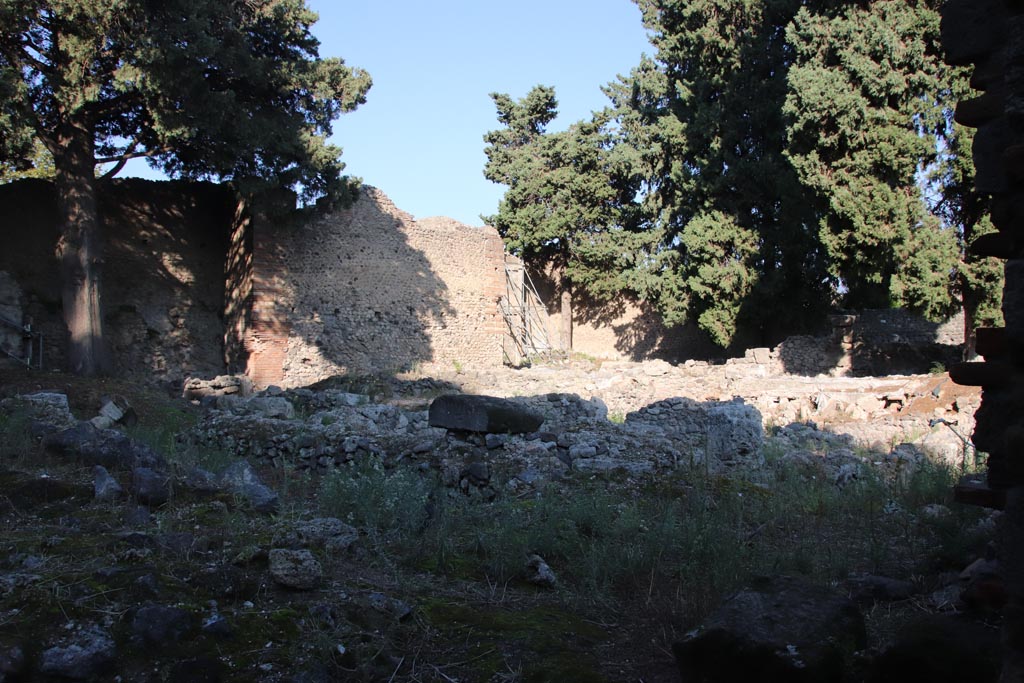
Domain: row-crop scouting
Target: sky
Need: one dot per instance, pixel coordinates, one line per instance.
(419, 137)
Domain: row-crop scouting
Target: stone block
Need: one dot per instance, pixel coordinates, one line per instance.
(487, 414)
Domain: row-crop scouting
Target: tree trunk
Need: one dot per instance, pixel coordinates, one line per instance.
(78, 250)
(566, 331)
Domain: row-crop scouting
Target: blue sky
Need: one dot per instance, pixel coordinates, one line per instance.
(419, 137)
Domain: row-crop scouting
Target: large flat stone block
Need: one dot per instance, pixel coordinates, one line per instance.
(482, 414)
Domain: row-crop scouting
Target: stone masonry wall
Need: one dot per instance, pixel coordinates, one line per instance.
(369, 289)
(162, 274)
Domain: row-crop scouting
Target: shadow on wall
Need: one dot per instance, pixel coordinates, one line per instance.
(361, 295)
(875, 343)
(162, 276)
(622, 328)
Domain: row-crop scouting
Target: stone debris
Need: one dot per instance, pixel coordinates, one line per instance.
(105, 487)
(539, 573)
(297, 569)
(778, 629)
(196, 388)
(82, 655)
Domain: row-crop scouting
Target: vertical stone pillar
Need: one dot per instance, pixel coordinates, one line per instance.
(269, 324)
(989, 34)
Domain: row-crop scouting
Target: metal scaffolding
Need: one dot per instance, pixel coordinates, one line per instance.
(31, 351)
(525, 317)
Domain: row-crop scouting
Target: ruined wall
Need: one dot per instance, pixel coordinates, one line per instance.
(621, 329)
(874, 343)
(371, 289)
(162, 274)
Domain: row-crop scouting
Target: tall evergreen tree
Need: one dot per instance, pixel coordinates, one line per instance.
(559, 198)
(202, 88)
(867, 115)
(703, 121)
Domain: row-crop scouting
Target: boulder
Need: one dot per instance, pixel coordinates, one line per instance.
(150, 486)
(241, 479)
(940, 649)
(734, 432)
(471, 413)
(778, 630)
(160, 625)
(83, 655)
(107, 447)
(296, 569)
(105, 487)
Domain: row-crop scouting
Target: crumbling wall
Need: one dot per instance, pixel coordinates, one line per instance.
(621, 329)
(370, 289)
(874, 343)
(162, 272)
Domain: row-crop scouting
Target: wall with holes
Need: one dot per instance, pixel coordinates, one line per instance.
(366, 289)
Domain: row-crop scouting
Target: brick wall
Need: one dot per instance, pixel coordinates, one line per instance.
(366, 289)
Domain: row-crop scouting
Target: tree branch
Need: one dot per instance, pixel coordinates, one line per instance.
(123, 159)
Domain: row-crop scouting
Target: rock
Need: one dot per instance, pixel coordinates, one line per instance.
(945, 599)
(734, 432)
(472, 413)
(493, 441)
(271, 407)
(582, 451)
(46, 407)
(316, 533)
(539, 573)
(198, 480)
(388, 605)
(940, 649)
(107, 447)
(151, 487)
(296, 569)
(160, 625)
(105, 487)
(847, 473)
(13, 662)
(115, 411)
(241, 479)
(870, 588)
(478, 473)
(138, 516)
(83, 655)
(936, 511)
(218, 627)
(780, 629)
(196, 388)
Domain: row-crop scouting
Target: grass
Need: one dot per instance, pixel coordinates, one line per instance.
(683, 542)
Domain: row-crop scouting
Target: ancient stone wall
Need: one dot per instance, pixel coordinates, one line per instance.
(162, 274)
(621, 329)
(370, 289)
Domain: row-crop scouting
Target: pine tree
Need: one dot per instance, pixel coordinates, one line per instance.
(558, 205)
(866, 112)
(703, 123)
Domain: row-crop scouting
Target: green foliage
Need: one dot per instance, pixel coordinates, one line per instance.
(202, 89)
(768, 151)
(37, 164)
(560, 202)
(868, 94)
(387, 504)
